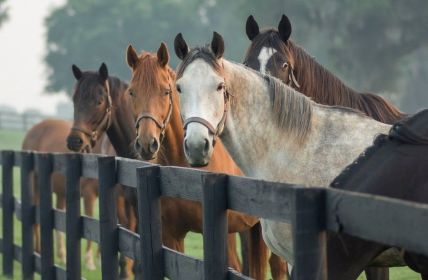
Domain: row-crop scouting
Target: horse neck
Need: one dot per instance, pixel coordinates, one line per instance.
(121, 132)
(251, 124)
(318, 83)
(172, 152)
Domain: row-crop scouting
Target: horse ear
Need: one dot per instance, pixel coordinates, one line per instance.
(284, 28)
(252, 28)
(76, 72)
(180, 46)
(131, 57)
(103, 72)
(163, 55)
(217, 45)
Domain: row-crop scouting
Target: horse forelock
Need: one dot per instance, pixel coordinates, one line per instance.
(203, 53)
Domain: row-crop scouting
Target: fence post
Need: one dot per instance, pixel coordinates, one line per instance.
(149, 222)
(73, 221)
(309, 235)
(27, 214)
(108, 217)
(8, 205)
(215, 226)
(44, 171)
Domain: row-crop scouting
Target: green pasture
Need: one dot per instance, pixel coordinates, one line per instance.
(193, 242)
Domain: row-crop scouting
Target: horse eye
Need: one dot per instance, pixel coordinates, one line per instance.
(220, 86)
(285, 65)
(168, 91)
(131, 93)
(178, 88)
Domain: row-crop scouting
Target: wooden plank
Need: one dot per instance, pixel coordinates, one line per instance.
(260, 198)
(215, 226)
(44, 165)
(309, 235)
(73, 222)
(27, 215)
(235, 275)
(90, 166)
(59, 162)
(149, 222)
(181, 267)
(8, 205)
(181, 182)
(127, 171)
(90, 229)
(108, 218)
(129, 244)
(380, 219)
(59, 219)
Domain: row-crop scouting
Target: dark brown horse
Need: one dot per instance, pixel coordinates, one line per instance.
(50, 136)
(100, 107)
(272, 52)
(160, 135)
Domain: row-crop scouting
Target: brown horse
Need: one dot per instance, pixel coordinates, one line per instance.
(50, 136)
(272, 52)
(160, 136)
(100, 107)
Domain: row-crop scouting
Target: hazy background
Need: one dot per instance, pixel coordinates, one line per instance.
(378, 46)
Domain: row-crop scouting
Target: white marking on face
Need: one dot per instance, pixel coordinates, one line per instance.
(264, 56)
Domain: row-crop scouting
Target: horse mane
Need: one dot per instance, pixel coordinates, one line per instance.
(321, 85)
(330, 90)
(293, 110)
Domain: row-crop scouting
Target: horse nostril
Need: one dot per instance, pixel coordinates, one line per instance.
(207, 146)
(137, 145)
(153, 146)
(79, 141)
(186, 147)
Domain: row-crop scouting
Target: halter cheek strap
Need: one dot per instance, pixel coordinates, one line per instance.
(292, 81)
(103, 125)
(214, 131)
(162, 125)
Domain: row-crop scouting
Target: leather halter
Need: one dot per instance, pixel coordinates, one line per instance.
(292, 81)
(219, 129)
(161, 125)
(103, 125)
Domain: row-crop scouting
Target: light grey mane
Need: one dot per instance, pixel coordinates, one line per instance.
(292, 109)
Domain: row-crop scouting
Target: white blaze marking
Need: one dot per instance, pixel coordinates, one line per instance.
(264, 56)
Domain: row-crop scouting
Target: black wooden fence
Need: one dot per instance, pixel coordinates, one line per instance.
(311, 211)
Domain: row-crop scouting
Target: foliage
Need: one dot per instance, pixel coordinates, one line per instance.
(3, 12)
(365, 41)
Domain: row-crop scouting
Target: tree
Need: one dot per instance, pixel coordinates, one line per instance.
(3, 12)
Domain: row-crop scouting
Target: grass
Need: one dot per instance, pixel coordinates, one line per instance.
(193, 242)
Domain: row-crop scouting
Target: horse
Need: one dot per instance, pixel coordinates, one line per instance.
(155, 104)
(50, 136)
(273, 52)
(273, 132)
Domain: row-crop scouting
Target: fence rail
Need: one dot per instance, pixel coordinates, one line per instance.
(311, 211)
(17, 121)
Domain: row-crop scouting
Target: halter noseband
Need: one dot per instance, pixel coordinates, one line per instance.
(104, 123)
(219, 129)
(162, 125)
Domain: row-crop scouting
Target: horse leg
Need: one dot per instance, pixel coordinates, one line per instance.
(89, 197)
(278, 267)
(61, 253)
(231, 252)
(377, 273)
(36, 202)
(257, 253)
(245, 239)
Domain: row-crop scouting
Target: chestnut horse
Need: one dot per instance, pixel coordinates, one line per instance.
(50, 136)
(155, 103)
(272, 52)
